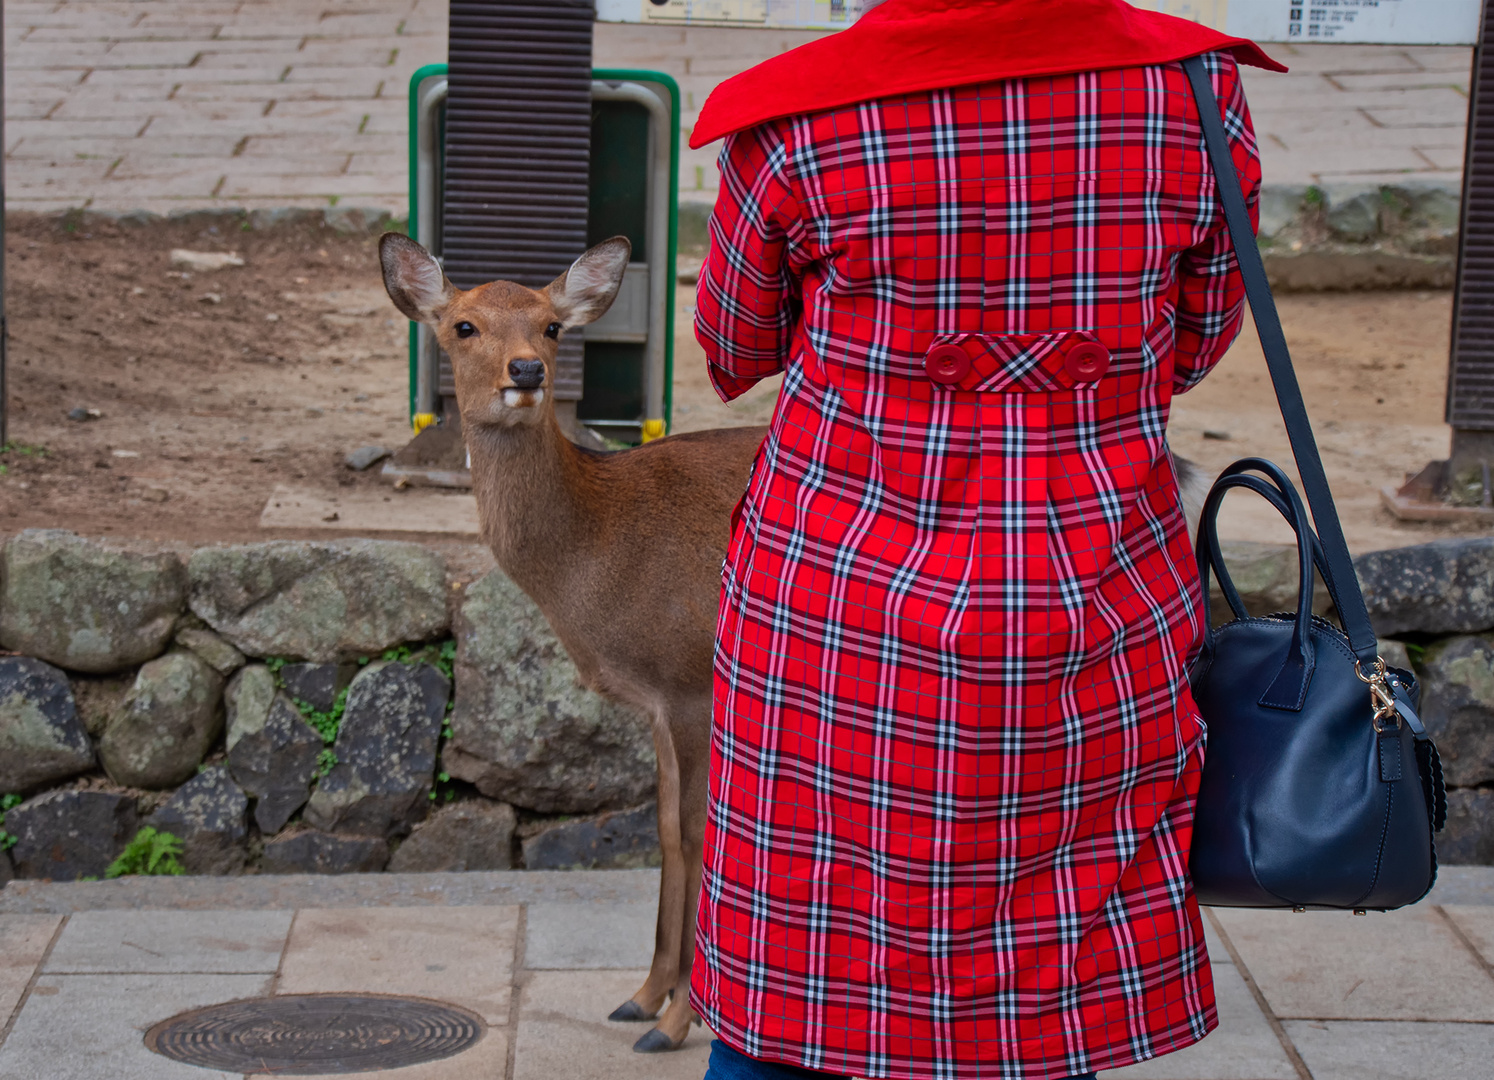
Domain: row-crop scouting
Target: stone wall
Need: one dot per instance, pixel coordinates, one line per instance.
(317, 707)
(299, 707)
(1360, 236)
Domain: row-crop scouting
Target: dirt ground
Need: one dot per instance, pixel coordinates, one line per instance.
(213, 388)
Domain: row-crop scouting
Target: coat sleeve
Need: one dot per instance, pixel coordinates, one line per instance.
(747, 301)
(1211, 296)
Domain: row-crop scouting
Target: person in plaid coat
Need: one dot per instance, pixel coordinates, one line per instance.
(954, 752)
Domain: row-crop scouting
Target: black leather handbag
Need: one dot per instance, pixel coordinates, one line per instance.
(1320, 787)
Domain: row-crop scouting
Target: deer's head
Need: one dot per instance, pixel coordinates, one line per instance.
(502, 337)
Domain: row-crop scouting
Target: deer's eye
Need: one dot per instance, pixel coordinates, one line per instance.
(553, 330)
(465, 329)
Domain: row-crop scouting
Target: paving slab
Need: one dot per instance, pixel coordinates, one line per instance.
(1338, 1050)
(92, 1027)
(461, 955)
(1322, 965)
(162, 942)
(488, 1060)
(574, 937)
(588, 936)
(23, 943)
(63, 58)
(1242, 1047)
(1477, 925)
(563, 1032)
(371, 511)
(288, 891)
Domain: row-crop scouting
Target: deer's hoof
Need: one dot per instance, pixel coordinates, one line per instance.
(630, 1011)
(655, 1042)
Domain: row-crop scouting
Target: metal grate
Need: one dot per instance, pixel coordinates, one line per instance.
(518, 148)
(1470, 384)
(316, 1034)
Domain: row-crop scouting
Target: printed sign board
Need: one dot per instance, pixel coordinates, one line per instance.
(1388, 22)
(795, 14)
(1385, 22)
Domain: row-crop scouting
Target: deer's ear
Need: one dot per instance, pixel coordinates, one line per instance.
(413, 278)
(584, 292)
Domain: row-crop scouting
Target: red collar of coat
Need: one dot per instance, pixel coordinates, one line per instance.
(904, 46)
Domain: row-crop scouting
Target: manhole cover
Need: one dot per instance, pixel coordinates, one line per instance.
(308, 1034)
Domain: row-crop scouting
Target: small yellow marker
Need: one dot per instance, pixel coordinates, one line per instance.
(653, 429)
(422, 421)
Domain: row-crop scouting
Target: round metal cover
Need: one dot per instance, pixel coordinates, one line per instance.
(312, 1034)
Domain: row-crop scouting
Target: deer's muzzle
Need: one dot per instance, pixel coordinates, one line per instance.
(527, 374)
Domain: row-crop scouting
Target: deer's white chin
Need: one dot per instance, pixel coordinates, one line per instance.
(514, 398)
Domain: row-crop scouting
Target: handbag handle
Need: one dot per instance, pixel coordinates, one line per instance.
(1209, 554)
(1344, 582)
(1288, 690)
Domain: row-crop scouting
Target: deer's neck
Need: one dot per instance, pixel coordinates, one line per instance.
(529, 482)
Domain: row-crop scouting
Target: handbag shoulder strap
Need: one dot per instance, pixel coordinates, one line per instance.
(1340, 566)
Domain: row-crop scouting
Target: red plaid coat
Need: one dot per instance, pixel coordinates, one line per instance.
(955, 755)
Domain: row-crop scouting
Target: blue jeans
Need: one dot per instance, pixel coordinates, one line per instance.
(730, 1064)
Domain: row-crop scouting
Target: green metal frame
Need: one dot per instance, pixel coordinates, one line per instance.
(601, 75)
(412, 227)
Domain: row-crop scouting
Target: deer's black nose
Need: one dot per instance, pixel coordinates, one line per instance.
(527, 374)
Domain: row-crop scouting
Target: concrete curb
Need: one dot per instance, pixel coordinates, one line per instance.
(354, 220)
(1360, 236)
(259, 892)
(1472, 885)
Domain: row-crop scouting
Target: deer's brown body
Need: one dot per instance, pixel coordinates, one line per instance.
(632, 545)
(621, 552)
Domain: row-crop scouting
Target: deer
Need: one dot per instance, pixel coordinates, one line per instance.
(621, 551)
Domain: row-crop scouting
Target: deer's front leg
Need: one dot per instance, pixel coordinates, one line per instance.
(663, 973)
(693, 754)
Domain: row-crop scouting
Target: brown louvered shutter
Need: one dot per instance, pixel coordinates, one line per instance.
(1470, 383)
(518, 143)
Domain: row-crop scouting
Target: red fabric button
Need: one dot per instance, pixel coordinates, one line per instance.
(1087, 361)
(946, 364)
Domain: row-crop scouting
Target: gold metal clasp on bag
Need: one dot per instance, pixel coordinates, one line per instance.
(1382, 698)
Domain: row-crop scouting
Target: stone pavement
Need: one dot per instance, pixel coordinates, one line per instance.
(87, 968)
(177, 104)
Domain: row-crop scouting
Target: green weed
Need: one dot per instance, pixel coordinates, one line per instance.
(326, 761)
(7, 802)
(442, 657)
(20, 450)
(326, 723)
(152, 853)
